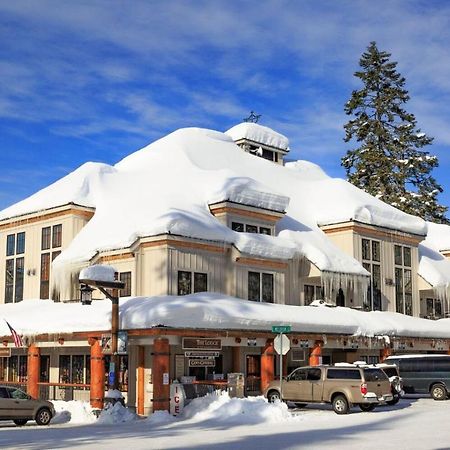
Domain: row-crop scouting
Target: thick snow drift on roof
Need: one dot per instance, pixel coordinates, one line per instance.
(98, 272)
(211, 311)
(438, 236)
(435, 269)
(166, 188)
(81, 186)
(259, 134)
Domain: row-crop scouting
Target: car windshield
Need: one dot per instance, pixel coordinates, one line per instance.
(374, 375)
(18, 394)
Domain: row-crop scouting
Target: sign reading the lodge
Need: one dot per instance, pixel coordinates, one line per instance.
(202, 363)
(202, 344)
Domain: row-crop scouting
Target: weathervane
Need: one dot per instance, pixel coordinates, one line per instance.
(253, 118)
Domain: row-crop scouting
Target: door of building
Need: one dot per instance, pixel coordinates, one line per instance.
(253, 373)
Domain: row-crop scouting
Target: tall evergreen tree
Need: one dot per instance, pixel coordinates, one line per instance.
(389, 162)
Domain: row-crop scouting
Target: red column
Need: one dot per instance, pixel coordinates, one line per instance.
(140, 380)
(160, 366)
(33, 370)
(315, 354)
(267, 364)
(384, 353)
(236, 359)
(97, 374)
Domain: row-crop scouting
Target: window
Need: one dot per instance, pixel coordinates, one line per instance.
(125, 277)
(20, 243)
(74, 369)
(45, 276)
(236, 226)
(45, 238)
(312, 293)
(343, 374)
(371, 255)
(9, 281)
(248, 228)
(10, 245)
(434, 308)
(260, 287)
(314, 374)
(17, 369)
(299, 375)
(185, 282)
(403, 280)
(18, 287)
(56, 236)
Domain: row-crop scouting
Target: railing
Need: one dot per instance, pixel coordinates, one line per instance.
(64, 391)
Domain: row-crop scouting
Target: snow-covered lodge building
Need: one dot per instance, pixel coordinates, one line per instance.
(222, 216)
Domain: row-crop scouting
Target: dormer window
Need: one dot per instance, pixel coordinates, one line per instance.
(247, 228)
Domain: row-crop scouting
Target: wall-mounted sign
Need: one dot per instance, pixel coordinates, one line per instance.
(5, 352)
(202, 344)
(106, 344)
(202, 354)
(122, 342)
(165, 378)
(202, 363)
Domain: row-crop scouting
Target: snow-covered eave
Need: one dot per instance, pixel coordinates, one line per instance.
(276, 212)
(263, 145)
(418, 236)
(44, 211)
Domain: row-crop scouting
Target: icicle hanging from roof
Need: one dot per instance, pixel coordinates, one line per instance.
(333, 281)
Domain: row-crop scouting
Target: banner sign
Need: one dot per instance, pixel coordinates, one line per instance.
(202, 363)
(202, 344)
(202, 354)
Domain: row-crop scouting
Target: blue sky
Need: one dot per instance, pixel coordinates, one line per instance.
(96, 80)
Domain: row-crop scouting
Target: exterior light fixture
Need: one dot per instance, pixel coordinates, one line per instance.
(86, 294)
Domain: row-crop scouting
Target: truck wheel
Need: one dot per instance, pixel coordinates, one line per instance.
(273, 396)
(43, 416)
(366, 407)
(438, 392)
(394, 401)
(20, 422)
(340, 405)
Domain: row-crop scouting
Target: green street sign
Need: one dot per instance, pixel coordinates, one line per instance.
(281, 328)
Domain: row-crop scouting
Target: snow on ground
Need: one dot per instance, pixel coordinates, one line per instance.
(221, 423)
(209, 310)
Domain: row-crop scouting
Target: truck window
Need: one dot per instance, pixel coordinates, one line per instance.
(374, 375)
(343, 374)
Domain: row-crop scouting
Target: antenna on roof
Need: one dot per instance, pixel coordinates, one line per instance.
(253, 118)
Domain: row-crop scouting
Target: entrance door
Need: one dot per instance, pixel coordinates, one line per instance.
(253, 373)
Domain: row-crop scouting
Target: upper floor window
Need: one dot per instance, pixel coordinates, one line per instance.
(45, 238)
(56, 235)
(312, 293)
(192, 282)
(260, 287)
(371, 256)
(14, 267)
(10, 245)
(248, 228)
(403, 279)
(125, 277)
(20, 243)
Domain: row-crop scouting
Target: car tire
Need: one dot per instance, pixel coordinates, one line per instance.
(273, 396)
(43, 416)
(340, 405)
(438, 392)
(367, 407)
(20, 422)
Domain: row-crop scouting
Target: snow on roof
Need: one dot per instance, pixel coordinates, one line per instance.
(259, 134)
(434, 269)
(211, 311)
(167, 187)
(98, 272)
(438, 236)
(81, 187)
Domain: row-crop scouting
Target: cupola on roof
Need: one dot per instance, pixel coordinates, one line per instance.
(258, 134)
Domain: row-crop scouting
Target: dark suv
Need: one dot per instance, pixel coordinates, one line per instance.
(19, 407)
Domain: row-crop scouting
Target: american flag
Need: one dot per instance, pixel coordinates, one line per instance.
(16, 337)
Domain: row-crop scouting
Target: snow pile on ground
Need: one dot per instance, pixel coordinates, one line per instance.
(219, 407)
(160, 418)
(116, 414)
(208, 310)
(74, 411)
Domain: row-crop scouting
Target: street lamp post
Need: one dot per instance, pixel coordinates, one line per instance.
(86, 286)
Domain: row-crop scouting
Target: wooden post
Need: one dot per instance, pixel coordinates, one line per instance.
(97, 374)
(33, 370)
(236, 359)
(315, 355)
(160, 374)
(384, 353)
(267, 364)
(141, 380)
